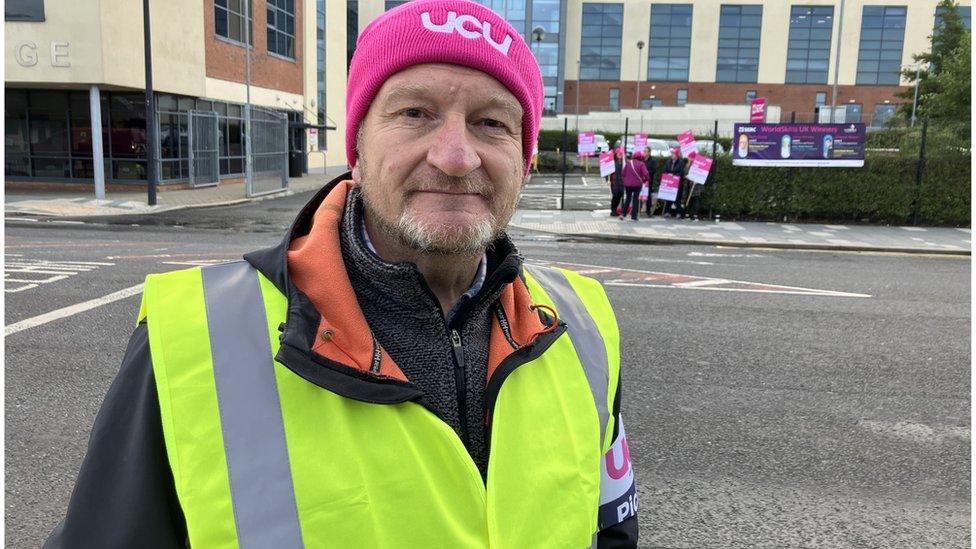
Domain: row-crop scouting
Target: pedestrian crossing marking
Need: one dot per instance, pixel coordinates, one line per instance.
(614, 276)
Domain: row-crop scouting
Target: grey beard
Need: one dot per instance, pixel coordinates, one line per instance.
(437, 240)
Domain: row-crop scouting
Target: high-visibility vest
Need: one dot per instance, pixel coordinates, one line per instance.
(264, 458)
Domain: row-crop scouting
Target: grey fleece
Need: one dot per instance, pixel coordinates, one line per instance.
(407, 320)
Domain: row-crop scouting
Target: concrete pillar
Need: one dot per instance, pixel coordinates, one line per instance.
(98, 156)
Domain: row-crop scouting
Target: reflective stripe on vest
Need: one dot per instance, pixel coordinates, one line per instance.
(250, 412)
(583, 332)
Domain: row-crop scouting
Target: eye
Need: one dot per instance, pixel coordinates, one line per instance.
(412, 113)
(494, 124)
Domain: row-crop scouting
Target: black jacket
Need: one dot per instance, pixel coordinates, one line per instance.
(125, 497)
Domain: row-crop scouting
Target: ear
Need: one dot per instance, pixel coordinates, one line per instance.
(357, 175)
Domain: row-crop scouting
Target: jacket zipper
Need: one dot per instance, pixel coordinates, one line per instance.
(462, 397)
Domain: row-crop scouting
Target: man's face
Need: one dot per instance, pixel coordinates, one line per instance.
(440, 159)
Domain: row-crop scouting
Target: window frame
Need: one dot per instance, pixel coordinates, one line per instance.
(661, 57)
(245, 33)
(873, 56)
(594, 36)
(800, 45)
(748, 43)
(34, 13)
(274, 7)
(611, 99)
(679, 101)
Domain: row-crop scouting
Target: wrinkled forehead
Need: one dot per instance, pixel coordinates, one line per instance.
(445, 83)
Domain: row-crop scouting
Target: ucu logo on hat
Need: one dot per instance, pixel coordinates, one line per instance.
(475, 29)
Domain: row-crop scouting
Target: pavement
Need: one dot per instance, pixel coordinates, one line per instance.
(869, 238)
(583, 221)
(74, 204)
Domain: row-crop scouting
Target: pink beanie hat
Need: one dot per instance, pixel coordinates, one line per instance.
(456, 32)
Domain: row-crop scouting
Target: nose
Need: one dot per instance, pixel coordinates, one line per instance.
(452, 151)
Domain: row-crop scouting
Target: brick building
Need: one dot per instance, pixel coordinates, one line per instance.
(69, 63)
(717, 51)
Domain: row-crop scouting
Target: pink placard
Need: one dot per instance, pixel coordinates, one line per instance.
(687, 142)
(640, 141)
(586, 143)
(607, 166)
(669, 187)
(700, 167)
(757, 113)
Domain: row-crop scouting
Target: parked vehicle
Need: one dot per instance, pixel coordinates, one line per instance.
(705, 147)
(601, 143)
(659, 148)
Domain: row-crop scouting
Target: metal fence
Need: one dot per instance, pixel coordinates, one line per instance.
(269, 152)
(204, 148)
(700, 119)
(912, 173)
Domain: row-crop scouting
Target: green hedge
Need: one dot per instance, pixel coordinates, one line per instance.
(883, 191)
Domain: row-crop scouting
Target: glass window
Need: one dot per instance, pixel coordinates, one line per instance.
(16, 140)
(750, 95)
(352, 29)
(738, 51)
(882, 113)
(320, 68)
(515, 12)
(886, 23)
(165, 102)
(853, 113)
(23, 10)
(820, 99)
(170, 125)
(669, 52)
(229, 20)
(682, 97)
(614, 104)
(281, 27)
(965, 13)
(809, 45)
(600, 56)
(48, 123)
(128, 129)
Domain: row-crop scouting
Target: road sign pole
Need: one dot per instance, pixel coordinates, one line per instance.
(562, 199)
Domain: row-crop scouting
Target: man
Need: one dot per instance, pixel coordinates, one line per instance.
(617, 182)
(675, 165)
(391, 374)
(651, 165)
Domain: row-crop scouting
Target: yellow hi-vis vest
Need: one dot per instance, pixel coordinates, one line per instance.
(263, 458)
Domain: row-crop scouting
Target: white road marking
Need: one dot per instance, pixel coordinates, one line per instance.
(55, 271)
(70, 310)
(197, 262)
(701, 283)
(800, 291)
(916, 229)
(706, 254)
(655, 279)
